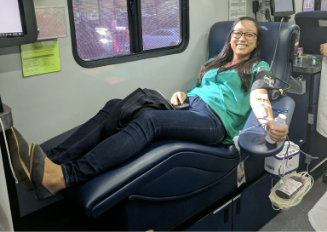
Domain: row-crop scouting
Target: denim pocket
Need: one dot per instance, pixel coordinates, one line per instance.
(221, 126)
(195, 102)
(214, 114)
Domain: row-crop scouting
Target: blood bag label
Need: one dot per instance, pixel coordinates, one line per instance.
(290, 186)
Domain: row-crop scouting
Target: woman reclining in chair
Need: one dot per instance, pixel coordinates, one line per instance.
(220, 104)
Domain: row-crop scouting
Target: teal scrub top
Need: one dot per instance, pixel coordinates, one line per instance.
(226, 98)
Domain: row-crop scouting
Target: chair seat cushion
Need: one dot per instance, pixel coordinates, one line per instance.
(187, 168)
(167, 170)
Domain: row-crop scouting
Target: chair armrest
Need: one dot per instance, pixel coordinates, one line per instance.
(253, 141)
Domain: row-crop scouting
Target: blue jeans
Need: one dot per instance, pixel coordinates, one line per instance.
(87, 152)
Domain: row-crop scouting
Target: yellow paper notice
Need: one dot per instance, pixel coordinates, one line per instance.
(40, 57)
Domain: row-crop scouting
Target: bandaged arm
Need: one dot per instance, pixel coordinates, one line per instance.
(261, 107)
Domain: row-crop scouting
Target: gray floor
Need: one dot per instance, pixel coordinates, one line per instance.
(296, 218)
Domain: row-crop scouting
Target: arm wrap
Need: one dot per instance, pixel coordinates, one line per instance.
(263, 80)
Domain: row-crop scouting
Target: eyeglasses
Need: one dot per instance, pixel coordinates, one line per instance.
(248, 35)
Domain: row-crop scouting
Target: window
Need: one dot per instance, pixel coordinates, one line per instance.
(114, 31)
(323, 5)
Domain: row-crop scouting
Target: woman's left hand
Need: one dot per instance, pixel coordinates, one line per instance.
(178, 97)
(277, 134)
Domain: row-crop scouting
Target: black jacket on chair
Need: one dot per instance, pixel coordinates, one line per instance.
(132, 106)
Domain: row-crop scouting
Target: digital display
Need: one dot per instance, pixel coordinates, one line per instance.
(308, 5)
(283, 6)
(10, 19)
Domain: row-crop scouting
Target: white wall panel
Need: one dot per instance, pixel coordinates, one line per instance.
(47, 105)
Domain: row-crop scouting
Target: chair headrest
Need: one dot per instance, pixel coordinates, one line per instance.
(311, 14)
(282, 64)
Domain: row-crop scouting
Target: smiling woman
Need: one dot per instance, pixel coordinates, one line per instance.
(243, 40)
(239, 53)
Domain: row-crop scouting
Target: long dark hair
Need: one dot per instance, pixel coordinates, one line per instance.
(243, 68)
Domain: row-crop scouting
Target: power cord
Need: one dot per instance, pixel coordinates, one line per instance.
(9, 158)
(272, 62)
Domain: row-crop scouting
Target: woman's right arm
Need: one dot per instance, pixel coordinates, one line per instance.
(277, 134)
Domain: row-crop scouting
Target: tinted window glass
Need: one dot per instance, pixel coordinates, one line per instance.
(101, 28)
(115, 31)
(160, 23)
(323, 5)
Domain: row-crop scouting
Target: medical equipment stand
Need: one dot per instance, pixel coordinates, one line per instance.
(303, 128)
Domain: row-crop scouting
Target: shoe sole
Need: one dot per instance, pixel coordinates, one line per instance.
(40, 191)
(21, 171)
(31, 170)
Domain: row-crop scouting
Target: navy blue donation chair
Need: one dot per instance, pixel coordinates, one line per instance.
(313, 34)
(172, 185)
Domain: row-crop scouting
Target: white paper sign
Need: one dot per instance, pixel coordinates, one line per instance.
(322, 23)
(237, 9)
